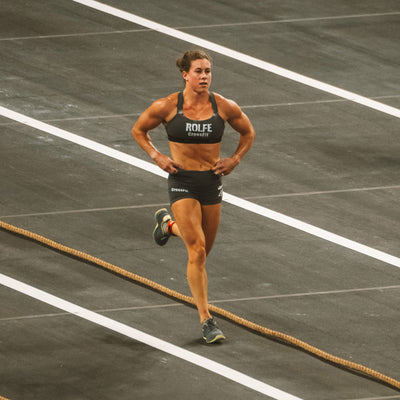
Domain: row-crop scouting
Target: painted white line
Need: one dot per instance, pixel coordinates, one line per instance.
(87, 210)
(354, 190)
(237, 201)
(169, 305)
(255, 62)
(149, 340)
(90, 144)
(67, 35)
(312, 230)
(288, 21)
(378, 398)
(249, 23)
(150, 205)
(285, 296)
(233, 300)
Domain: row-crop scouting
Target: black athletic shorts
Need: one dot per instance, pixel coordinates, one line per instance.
(204, 186)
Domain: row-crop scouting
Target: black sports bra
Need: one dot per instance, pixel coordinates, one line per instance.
(184, 130)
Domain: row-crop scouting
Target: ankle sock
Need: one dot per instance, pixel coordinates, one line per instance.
(169, 227)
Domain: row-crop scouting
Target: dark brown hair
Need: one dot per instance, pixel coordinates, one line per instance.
(185, 61)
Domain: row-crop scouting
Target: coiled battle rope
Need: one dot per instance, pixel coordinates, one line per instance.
(275, 335)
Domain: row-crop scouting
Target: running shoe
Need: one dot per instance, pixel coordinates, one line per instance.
(160, 233)
(211, 333)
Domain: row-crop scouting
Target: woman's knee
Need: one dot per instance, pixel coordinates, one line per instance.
(197, 252)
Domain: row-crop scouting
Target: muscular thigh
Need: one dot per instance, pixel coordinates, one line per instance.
(210, 222)
(197, 224)
(188, 216)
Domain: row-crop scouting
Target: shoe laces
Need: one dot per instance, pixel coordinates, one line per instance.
(209, 324)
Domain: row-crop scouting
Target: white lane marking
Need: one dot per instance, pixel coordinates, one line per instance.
(237, 201)
(86, 210)
(312, 230)
(90, 144)
(249, 23)
(323, 192)
(285, 296)
(67, 35)
(169, 305)
(288, 21)
(150, 205)
(241, 57)
(149, 340)
(378, 398)
(305, 103)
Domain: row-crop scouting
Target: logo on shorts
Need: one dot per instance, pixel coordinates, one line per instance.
(221, 190)
(179, 190)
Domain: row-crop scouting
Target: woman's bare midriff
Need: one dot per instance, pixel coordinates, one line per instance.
(195, 156)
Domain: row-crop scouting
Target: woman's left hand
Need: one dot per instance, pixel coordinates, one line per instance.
(225, 166)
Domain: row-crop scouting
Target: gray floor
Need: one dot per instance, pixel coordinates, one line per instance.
(321, 159)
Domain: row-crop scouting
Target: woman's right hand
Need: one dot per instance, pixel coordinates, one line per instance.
(166, 163)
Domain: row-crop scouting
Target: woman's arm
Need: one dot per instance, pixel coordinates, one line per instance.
(148, 120)
(240, 123)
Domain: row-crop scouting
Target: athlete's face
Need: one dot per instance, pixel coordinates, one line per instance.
(199, 75)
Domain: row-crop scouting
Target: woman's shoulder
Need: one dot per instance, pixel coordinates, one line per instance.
(227, 108)
(164, 106)
(166, 102)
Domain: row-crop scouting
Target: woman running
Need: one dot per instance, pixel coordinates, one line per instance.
(194, 120)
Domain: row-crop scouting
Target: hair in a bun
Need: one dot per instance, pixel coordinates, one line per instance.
(185, 61)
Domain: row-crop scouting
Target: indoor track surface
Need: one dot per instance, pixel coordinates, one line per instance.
(309, 238)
